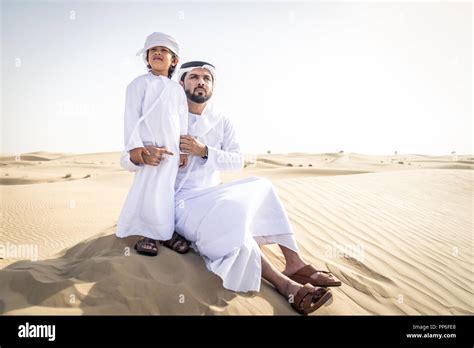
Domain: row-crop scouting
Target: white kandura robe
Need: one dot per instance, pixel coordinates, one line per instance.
(227, 222)
(156, 113)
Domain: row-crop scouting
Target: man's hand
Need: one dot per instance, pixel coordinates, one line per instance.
(155, 155)
(183, 160)
(191, 146)
(136, 155)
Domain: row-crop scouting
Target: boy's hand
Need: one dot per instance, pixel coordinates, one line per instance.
(183, 160)
(136, 155)
(155, 155)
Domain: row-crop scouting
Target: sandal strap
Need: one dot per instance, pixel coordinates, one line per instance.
(175, 239)
(301, 294)
(307, 300)
(175, 242)
(311, 300)
(306, 271)
(147, 241)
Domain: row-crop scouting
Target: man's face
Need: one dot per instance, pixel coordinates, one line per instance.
(198, 85)
(160, 58)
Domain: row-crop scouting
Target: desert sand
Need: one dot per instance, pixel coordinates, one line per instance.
(397, 230)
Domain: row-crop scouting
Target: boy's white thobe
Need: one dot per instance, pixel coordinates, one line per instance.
(155, 114)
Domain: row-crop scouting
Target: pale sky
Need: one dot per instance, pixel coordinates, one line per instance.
(369, 77)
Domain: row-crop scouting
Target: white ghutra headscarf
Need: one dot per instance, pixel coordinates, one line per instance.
(187, 67)
(159, 39)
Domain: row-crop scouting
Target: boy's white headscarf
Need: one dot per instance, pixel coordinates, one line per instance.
(159, 39)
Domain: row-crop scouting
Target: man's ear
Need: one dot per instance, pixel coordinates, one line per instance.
(181, 83)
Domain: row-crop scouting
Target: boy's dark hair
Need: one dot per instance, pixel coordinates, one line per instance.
(170, 70)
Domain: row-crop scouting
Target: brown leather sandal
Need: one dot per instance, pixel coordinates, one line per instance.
(146, 246)
(177, 243)
(324, 278)
(309, 298)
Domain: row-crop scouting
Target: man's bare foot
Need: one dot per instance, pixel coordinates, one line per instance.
(290, 270)
(308, 274)
(297, 296)
(289, 288)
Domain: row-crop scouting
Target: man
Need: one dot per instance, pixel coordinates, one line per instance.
(226, 223)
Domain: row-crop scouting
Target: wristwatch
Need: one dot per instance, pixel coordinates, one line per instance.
(207, 153)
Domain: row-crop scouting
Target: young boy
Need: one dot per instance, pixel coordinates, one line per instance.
(156, 115)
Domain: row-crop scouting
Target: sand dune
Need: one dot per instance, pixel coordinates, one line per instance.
(398, 235)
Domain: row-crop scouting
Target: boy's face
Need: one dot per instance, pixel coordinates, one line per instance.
(160, 59)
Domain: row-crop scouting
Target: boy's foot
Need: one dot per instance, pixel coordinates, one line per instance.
(146, 246)
(177, 243)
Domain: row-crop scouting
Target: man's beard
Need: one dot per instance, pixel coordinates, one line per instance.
(199, 99)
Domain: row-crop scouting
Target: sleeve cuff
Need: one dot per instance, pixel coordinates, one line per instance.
(212, 154)
(127, 163)
(134, 144)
